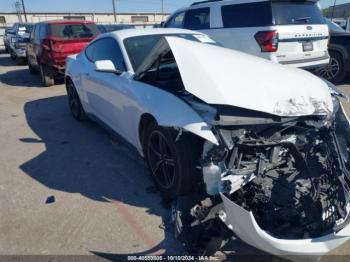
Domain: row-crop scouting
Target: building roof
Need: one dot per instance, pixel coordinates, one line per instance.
(82, 13)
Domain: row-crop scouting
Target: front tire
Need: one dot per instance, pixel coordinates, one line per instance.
(172, 164)
(74, 103)
(46, 79)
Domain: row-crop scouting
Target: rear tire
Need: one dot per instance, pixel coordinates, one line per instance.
(46, 79)
(74, 102)
(172, 164)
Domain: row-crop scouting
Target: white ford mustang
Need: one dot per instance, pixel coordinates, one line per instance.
(272, 142)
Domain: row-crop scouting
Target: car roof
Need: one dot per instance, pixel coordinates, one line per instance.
(127, 33)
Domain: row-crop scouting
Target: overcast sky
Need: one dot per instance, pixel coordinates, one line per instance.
(106, 5)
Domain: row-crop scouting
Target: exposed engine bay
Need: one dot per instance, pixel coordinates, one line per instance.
(293, 176)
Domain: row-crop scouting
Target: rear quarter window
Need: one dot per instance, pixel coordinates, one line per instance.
(247, 15)
(73, 30)
(197, 19)
(286, 13)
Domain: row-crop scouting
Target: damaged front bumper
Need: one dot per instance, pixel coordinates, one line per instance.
(251, 175)
(244, 225)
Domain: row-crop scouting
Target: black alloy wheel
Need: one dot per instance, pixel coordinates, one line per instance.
(74, 102)
(161, 160)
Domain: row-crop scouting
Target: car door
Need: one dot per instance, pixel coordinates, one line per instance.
(33, 46)
(106, 92)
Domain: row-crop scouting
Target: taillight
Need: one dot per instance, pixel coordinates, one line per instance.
(47, 44)
(267, 40)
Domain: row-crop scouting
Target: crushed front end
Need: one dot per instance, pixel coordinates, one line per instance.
(285, 183)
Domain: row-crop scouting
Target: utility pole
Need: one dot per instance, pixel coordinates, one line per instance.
(335, 3)
(24, 11)
(18, 10)
(114, 12)
(162, 9)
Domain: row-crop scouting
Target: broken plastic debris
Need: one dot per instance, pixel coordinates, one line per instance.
(50, 200)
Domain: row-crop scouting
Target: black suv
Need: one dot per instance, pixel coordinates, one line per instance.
(339, 50)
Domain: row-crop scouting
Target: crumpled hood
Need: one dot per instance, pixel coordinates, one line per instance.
(222, 76)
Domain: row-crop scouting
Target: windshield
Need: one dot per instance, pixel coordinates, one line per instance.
(23, 39)
(286, 13)
(25, 28)
(139, 47)
(334, 27)
(74, 30)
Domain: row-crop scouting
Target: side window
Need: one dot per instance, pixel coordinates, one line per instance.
(36, 32)
(176, 21)
(42, 32)
(197, 19)
(32, 33)
(246, 15)
(108, 49)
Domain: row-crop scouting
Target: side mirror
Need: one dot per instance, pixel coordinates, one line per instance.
(106, 66)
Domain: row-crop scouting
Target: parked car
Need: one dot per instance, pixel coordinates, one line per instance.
(6, 39)
(339, 50)
(17, 30)
(105, 28)
(18, 48)
(287, 32)
(224, 125)
(52, 41)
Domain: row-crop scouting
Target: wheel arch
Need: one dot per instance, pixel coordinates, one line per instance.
(145, 120)
(340, 50)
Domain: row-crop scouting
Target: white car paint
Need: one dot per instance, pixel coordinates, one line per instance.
(216, 75)
(305, 95)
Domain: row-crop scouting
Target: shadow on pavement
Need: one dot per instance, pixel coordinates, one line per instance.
(84, 158)
(81, 157)
(20, 78)
(5, 60)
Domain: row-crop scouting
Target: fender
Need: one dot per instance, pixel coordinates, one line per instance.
(169, 111)
(340, 49)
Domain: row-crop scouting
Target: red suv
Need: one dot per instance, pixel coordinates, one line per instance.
(52, 41)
